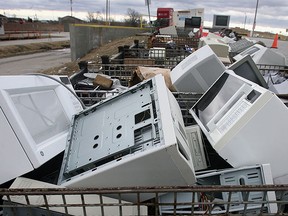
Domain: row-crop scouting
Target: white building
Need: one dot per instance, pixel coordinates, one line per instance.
(179, 16)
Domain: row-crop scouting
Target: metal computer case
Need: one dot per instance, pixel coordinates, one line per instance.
(245, 123)
(136, 138)
(248, 175)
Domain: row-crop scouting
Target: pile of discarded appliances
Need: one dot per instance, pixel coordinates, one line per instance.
(137, 134)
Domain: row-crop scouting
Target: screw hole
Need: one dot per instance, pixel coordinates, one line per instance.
(96, 137)
(118, 136)
(95, 146)
(119, 127)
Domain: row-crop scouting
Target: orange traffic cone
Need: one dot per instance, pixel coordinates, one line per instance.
(275, 42)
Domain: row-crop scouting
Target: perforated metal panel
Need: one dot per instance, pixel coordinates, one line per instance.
(244, 176)
(249, 176)
(105, 132)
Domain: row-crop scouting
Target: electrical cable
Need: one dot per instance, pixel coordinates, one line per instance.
(58, 81)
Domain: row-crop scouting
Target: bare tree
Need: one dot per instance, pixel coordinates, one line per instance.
(99, 16)
(134, 18)
(94, 17)
(90, 17)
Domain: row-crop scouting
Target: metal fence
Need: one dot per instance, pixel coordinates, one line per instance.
(200, 203)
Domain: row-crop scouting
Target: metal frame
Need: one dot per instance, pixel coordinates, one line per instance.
(179, 41)
(266, 69)
(160, 55)
(153, 204)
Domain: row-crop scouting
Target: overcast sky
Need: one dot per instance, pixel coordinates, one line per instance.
(272, 14)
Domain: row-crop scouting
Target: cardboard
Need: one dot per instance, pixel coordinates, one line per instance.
(103, 81)
(143, 73)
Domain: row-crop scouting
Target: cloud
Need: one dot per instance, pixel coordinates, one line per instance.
(270, 13)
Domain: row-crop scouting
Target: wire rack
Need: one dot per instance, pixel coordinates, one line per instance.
(157, 56)
(198, 206)
(179, 41)
(266, 69)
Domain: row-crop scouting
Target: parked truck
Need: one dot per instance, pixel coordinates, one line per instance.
(164, 17)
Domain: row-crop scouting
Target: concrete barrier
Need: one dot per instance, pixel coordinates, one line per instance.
(84, 38)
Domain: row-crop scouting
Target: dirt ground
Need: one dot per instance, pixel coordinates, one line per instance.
(94, 56)
(12, 50)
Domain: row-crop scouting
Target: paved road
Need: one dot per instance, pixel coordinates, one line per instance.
(34, 63)
(282, 46)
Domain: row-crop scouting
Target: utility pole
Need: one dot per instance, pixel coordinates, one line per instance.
(71, 6)
(245, 20)
(107, 19)
(109, 12)
(148, 2)
(254, 23)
